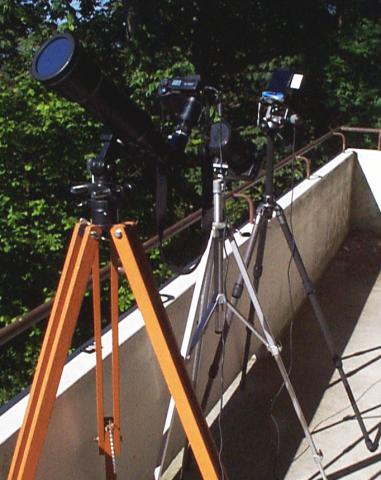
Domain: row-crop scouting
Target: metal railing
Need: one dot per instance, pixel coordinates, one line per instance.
(31, 318)
(362, 130)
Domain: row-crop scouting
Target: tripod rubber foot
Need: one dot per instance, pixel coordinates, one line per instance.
(242, 383)
(372, 447)
(213, 371)
(237, 290)
(337, 361)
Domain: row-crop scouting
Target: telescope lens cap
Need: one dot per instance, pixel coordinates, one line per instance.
(54, 57)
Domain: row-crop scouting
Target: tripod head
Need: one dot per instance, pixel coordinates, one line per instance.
(273, 106)
(274, 114)
(102, 193)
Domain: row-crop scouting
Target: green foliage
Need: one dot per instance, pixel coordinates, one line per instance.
(352, 75)
(45, 140)
(37, 167)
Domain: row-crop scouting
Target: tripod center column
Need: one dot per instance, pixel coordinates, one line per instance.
(218, 217)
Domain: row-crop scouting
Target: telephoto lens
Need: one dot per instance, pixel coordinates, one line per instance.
(241, 156)
(62, 65)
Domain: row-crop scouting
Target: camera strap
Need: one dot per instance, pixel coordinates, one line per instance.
(161, 199)
(162, 195)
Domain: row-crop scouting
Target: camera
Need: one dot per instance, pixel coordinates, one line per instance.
(273, 106)
(183, 99)
(236, 157)
(281, 85)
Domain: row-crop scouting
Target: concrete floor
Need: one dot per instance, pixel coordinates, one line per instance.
(350, 295)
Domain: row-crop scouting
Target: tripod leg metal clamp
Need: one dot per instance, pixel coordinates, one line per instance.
(220, 299)
(318, 457)
(274, 350)
(337, 361)
(237, 290)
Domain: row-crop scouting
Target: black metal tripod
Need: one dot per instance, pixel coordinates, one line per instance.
(264, 214)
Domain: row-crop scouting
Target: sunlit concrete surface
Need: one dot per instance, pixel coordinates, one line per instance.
(350, 294)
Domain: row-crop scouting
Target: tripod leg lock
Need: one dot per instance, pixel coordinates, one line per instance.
(318, 457)
(237, 290)
(258, 269)
(213, 370)
(274, 350)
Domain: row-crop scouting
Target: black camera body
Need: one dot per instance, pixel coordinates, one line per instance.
(189, 85)
(183, 99)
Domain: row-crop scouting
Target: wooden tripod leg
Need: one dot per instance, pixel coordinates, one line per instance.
(54, 350)
(163, 341)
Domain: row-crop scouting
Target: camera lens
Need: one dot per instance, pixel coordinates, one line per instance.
(241, 155)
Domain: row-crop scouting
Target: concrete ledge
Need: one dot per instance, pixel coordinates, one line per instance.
(366, 198)
(321, 215)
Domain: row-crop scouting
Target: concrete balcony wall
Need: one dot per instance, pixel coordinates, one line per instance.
(366, 197)
(323, 208)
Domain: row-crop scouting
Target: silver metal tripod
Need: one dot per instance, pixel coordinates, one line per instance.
(212, 270)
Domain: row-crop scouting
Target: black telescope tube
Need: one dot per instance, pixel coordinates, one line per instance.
(62, 65)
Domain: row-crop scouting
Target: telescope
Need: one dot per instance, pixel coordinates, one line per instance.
(273, 106)
(63, 66)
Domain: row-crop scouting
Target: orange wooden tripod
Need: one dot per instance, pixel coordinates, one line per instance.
(82, 257)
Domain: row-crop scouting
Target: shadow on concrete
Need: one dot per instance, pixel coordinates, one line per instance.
(354, 467)
(251, 449)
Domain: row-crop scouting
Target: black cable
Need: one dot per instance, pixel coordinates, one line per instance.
(289, 370)
(222, 378)
(316, 427)
(222, 385)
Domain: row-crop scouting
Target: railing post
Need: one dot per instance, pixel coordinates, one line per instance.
(344, 140)
(307, 161)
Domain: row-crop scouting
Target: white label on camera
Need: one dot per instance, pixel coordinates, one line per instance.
(296, 81)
